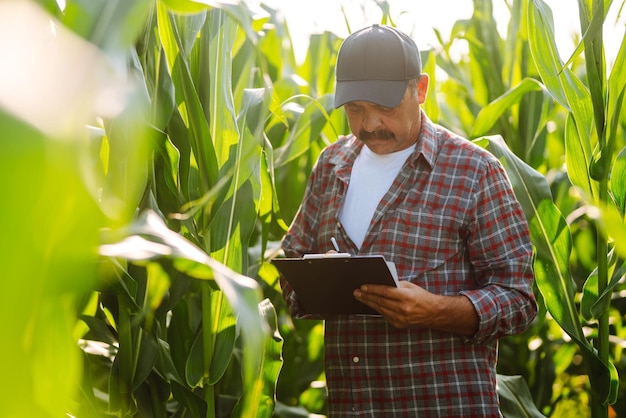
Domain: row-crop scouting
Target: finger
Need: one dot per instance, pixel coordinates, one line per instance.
(373, 301)
(385, 292)
(379, 290)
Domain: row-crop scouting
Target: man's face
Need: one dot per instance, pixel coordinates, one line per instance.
(385, 130)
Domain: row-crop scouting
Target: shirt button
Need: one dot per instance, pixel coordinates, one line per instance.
(355, 359)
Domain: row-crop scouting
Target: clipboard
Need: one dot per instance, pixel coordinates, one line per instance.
(324, 282)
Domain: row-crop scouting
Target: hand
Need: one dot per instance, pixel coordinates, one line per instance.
(404, 306)
(411, 305)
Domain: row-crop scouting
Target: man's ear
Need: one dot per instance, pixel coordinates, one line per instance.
(422, 87)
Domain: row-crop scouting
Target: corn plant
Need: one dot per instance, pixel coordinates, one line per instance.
(58, 83)
(171, 310)
(209, 181)
(595, 168)
(516, 95)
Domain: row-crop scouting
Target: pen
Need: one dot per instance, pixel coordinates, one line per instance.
(334, 241)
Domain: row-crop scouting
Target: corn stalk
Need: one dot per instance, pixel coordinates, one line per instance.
(593, 117)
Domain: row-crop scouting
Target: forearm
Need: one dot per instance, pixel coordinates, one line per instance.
(410, 305)
(454, 314)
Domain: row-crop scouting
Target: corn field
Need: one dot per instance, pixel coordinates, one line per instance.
(153, 153)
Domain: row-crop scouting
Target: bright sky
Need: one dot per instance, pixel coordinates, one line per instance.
(422, 16)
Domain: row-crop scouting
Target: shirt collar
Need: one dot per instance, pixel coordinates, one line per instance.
(427, 142)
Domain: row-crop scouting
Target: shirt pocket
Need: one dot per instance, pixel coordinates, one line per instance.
(424, 238)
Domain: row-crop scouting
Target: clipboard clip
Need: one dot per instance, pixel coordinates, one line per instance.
(327, 255)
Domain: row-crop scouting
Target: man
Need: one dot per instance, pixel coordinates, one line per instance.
(439, 207)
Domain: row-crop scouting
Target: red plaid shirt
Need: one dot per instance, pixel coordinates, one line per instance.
(451, 224)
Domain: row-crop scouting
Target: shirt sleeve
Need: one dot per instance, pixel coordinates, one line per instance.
(501, 254)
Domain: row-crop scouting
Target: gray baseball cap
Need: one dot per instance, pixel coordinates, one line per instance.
(375, 65)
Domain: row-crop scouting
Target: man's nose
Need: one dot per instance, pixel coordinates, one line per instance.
(371, 121)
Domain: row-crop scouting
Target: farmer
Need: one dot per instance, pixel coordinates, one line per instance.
(443, 210)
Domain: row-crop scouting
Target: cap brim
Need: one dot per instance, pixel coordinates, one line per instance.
(382, 92)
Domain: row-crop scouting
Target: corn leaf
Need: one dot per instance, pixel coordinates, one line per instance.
(264, 391)
(322, 49)
(570, 92)
(490, 114)
(515, 397)
(223, 336)
(593, 305)
(242, 292)
(306, 131)
(543, 49)
(616, 91)
(109, 24)
(618, 181)
(551, 237)
(191, 109)
(236, 214)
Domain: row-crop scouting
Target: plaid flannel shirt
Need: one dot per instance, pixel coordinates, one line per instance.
(451, 224)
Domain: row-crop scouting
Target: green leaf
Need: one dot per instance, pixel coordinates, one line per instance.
(184, 6)
(307, 130)
(224, 335)
(50, 227)
(613, 225)
(194, 404)
(552, 240)
(549, 233)
(146, 358)
(560, 81)
(318, 68)
(570, 92)
(579, 157)
(515, 398)
(236, 215)
(603, 376)
(242, 292)
(239, 11)
(615, 96)
(485, 58)
(165, 364)
(554, 277)
(265, 388)
(273, 359)
(592, 305)
(192, 111)
(222, 114)
(618, 181)
(595, 62)
(109, 24)
(490, 114)
(99, 329)
(617, 81)
(543, 48)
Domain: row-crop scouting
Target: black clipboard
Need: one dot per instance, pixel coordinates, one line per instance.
(324, 282)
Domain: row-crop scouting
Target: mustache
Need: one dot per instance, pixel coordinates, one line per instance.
(378, 134)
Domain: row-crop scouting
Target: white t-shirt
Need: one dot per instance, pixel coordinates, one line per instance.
(372, 175)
